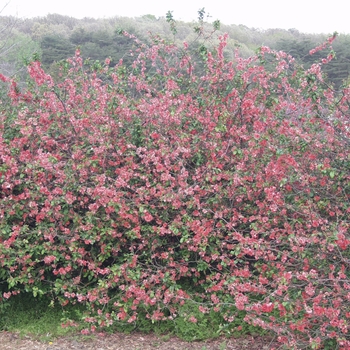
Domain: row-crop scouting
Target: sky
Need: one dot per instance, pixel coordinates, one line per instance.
(308, 16)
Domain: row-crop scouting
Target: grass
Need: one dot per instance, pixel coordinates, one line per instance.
(35, 316)
(25, 314)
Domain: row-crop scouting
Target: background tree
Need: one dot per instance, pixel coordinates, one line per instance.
(337, 70)
(7, 25)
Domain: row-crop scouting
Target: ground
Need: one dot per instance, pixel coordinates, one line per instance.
(12, 341)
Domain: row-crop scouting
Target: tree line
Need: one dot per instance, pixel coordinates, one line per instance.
(55, 37)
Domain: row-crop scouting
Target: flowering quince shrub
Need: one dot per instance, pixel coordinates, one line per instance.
(141, 189)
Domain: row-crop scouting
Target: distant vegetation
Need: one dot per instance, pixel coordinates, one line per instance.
(55, 37)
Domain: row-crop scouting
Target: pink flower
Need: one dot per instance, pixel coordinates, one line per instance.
(3, 78)
(192, 319)
(267, 307)
(49, 259)
(148, 217)
(6, 295)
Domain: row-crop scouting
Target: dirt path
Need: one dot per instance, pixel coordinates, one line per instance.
(11, 341)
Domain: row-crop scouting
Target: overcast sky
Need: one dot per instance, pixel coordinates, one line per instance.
(310, 16)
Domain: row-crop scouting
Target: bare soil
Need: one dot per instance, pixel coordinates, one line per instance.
(135, 341)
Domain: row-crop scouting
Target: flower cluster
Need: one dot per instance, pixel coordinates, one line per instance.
(182, 180)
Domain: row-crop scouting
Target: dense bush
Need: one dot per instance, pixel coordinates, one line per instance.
(147, 189)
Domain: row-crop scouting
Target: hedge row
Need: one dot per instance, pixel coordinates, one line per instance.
(136, 190)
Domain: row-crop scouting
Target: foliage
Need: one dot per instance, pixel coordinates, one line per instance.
(44, 321)
(73, 32)
(55, 48)
(337, 70)
(15, 47)
(7, 25)
(156, 190)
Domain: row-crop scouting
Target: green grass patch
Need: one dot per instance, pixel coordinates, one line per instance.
(41, 319)
(27, 315)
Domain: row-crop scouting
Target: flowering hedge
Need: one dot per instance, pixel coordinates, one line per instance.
(149, 187)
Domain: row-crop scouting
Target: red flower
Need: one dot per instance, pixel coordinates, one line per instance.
(148, 217)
